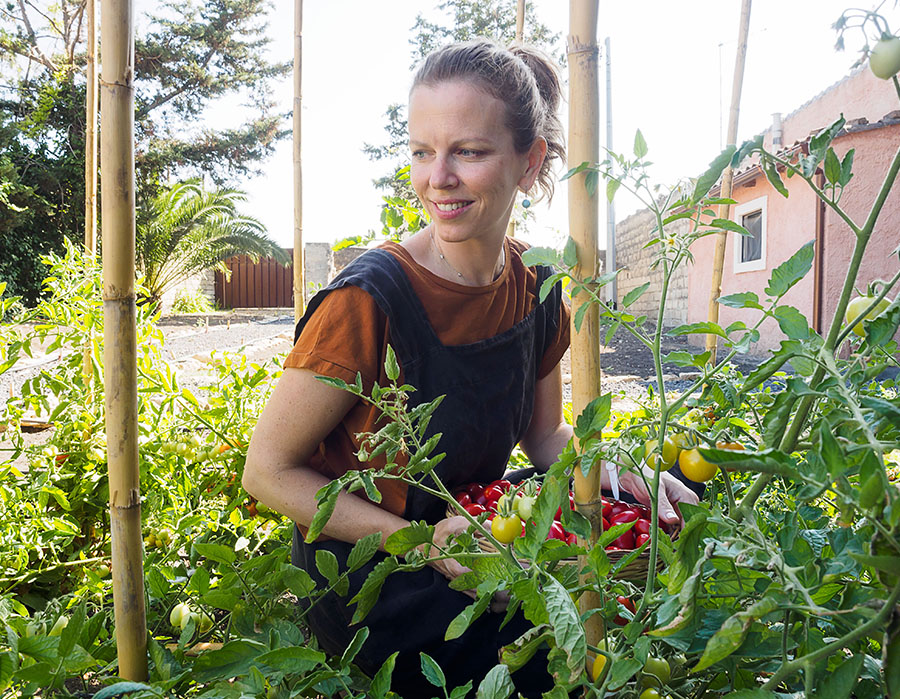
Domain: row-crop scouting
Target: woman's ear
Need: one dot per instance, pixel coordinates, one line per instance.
(536, 155)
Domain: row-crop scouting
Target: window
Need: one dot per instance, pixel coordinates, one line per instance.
(750, 251)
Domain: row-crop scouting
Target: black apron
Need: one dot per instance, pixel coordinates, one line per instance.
(489, 388)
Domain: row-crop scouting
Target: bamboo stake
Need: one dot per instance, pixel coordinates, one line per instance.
(299, 256)
(728, 177)
(117, 202)
(520, 38)
(584, 145)
(90, 161)
(520, 21)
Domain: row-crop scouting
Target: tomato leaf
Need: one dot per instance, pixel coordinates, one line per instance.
(406, 539)
(381, 683)
(497, 684)
(743, 299)
(120, 688)
(517, 654)
(432, 671)
(367, 596)
(231, 660)
(621, 671)
(792, 322)
(847, 168)
(791, 271)
(687, 548)
(216, 552)
(612, 186)
(706, 328)
(362, 551)
(681, 358)
(634, 294)
(464, 619)
(706, 181)
(839, 683)
(295, 659)
(890, 656)
(732, 633)
(640, 145)
(568, 631)
(594, 416)
(540, 256)
(327, 564)
(832, 167)
(354, 647)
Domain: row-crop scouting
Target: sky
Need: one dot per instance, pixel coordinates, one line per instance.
(671, 63)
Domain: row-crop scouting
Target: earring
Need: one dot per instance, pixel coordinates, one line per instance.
(526, 203)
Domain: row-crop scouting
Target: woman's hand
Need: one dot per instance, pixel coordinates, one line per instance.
(671, 492)
(451, 568)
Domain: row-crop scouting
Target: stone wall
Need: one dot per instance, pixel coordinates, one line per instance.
(634, 260)
(204, 282)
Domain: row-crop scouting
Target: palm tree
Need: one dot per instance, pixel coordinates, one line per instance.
(188, 229)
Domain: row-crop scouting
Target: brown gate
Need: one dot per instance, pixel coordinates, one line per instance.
(266, 284)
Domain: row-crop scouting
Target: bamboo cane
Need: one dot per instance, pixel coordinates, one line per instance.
(117, 203)
(520, 21)
(728, 176)
(584, 145)
(299, 256)
(90, 161)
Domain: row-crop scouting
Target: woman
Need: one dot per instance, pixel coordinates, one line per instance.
(461, 311)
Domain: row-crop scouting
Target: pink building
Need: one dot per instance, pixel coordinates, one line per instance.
(782, 225)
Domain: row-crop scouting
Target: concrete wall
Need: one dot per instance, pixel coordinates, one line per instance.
(635, 261)
(322, 263)
(205, 283)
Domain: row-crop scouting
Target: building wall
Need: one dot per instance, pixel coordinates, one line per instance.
(634, 261)
(859, 95)
(874, 150)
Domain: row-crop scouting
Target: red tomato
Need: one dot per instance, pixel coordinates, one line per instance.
(643, 511)
(640, 540)
(607, 508)
(626, 541)
(628, 604)
(502, 483)
(493, 493)
(475, 509)
(604, 523)
(624, 517)
(480, 499)
(557, 532)
(463, 499)
(642, 526)
(618, 506)
(474, 490)
(571, 539)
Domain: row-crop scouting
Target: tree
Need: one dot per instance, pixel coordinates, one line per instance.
(468, 19)
(188, 229)
(187, 55)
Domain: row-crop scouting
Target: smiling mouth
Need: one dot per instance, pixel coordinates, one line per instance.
(452, 206)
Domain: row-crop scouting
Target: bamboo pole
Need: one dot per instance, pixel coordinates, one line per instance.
(728, 176)
(90, 161)
(117, 203)
(299, 256)
(520, 21)
(520, 38)
(584, 145)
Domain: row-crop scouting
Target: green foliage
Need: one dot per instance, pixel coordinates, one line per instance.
(191, 302)
(191, 54)
(187, 229)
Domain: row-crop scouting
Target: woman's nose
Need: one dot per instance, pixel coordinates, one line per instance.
(443, 174)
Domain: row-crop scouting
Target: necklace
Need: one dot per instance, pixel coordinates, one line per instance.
(459, 274)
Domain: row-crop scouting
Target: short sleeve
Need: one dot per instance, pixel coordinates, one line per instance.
(559, 344)
(344, 335)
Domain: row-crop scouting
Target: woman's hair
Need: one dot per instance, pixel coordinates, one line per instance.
(521, 77)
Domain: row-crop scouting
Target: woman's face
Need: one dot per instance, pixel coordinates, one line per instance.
(465, 169)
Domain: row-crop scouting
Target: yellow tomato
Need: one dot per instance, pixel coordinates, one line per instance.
(597, 667)
(857, 306)
(669, 453)
(695, 467)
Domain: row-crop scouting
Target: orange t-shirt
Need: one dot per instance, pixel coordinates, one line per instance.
(348, 333)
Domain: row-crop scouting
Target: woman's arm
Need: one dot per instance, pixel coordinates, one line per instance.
(548, 432)
(301, 412)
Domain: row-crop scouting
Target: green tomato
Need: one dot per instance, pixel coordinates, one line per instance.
(858, 305)
(884, 61)
(656, 672)
(650, 693)
(525, 507)
(178, 613)
(58, 627)
(669, 453)
(205, 623)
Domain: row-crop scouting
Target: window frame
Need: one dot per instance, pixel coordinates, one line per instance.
(741, 210)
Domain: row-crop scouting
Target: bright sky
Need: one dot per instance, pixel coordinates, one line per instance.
(672, 67)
